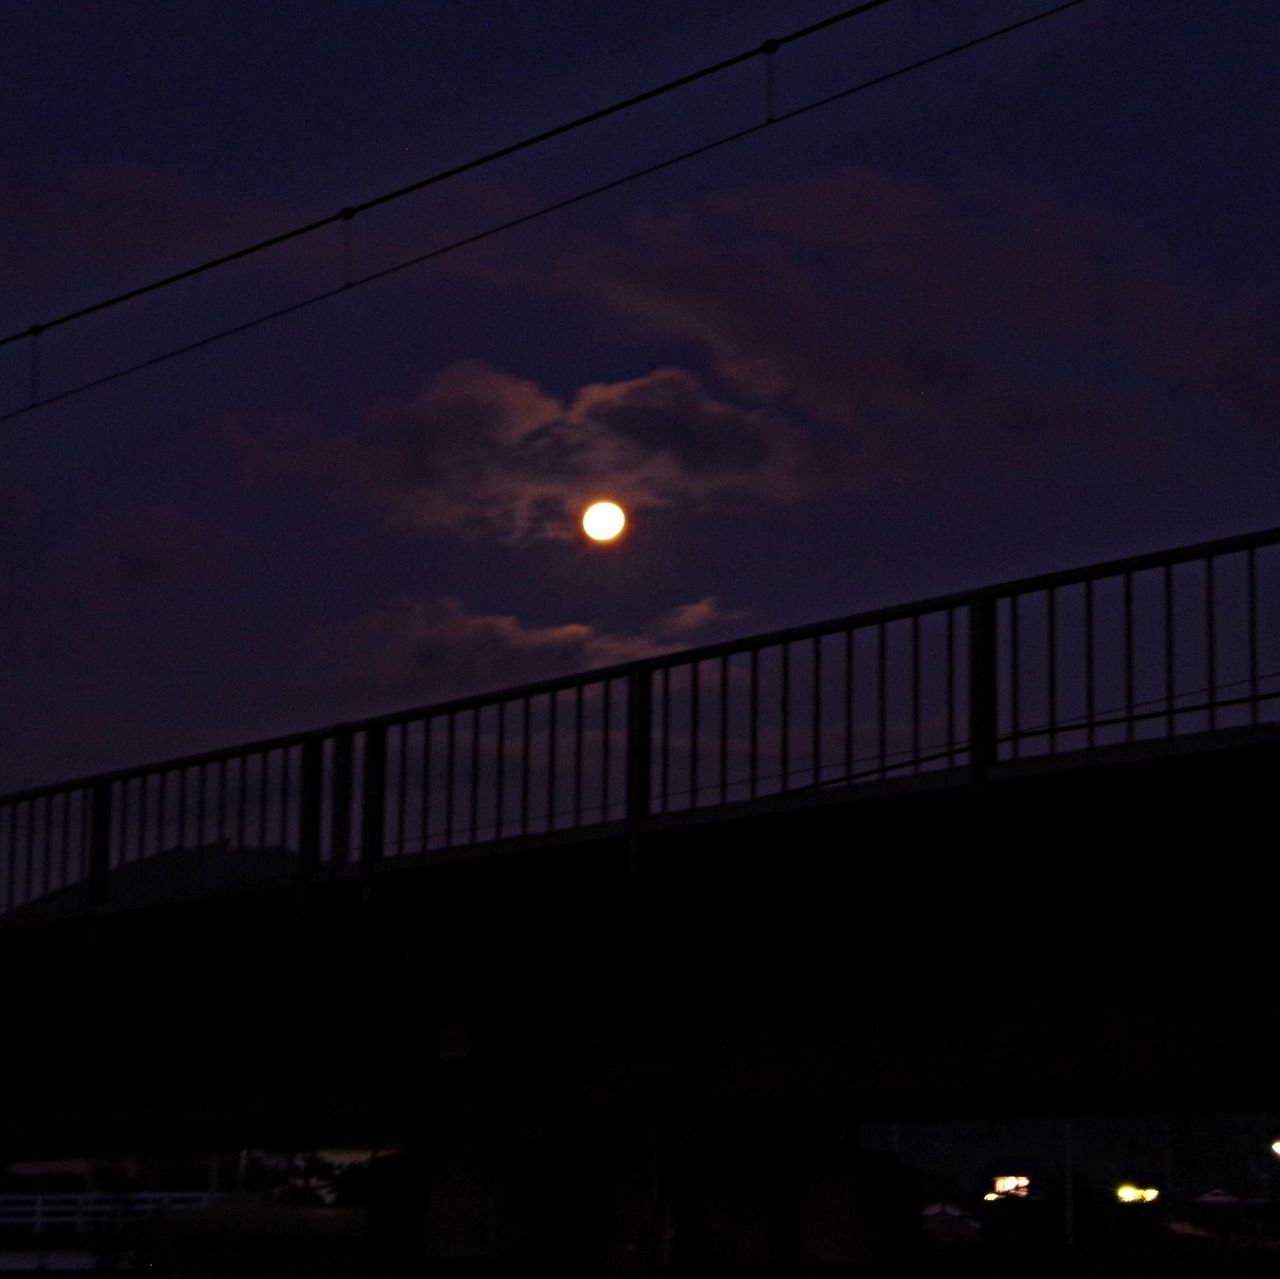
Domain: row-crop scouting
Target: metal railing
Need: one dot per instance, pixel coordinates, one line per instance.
(86, 1213)
(1158, 645)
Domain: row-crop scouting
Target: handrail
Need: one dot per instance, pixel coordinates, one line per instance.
(706, 652)
(963, 680)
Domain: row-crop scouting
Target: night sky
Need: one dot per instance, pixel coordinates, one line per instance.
(1010, 313)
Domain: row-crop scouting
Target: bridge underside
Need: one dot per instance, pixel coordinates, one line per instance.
(1092, 936)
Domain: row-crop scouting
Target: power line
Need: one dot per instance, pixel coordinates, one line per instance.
(765, 50)
(543, 211)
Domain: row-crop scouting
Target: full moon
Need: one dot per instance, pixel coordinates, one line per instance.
(603, 521)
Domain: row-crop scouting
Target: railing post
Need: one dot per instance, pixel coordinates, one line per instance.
(310, 801)
(340, 791)
(373, 794)
(639, 742)
(983, 751)
(99, 869)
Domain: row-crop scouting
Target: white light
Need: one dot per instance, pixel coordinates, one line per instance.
(1011, 1185)
(603, 521)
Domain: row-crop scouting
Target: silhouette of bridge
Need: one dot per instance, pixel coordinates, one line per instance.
(984, 852)
(1139, 652)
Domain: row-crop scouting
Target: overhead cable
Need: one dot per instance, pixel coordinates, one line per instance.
(543, 211)
(765, 50)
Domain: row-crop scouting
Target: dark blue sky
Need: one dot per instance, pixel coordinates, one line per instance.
(1007, 314)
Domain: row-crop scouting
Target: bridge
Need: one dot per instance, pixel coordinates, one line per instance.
(995, 851)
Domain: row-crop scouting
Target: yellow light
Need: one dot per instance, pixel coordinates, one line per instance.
(1016, 1186)
(603, 521)
(1137, 1195)
(1275, 1147)
(991, 1196)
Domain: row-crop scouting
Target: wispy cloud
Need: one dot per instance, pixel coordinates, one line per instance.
(413, 651)
(479, 450)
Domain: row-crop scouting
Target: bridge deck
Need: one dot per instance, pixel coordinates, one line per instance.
(1058, 909)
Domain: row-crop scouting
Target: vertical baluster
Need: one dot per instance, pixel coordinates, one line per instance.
(264, 787)
(882, 714)
(1168, 649)
(753, 739)
(222, 799)
(162, 812)
(639, 759)
(242, 798)
(695, 743)
(46, 851)
(310, 804)
(1129, 708)
(474, 813)
(286, 755)
(552, 733)
(1251, 568)
(606, 729)
(33, 852)
(102, 800)
(500, 780)
(577, 755)
(424, 815)
(984, 677)
(373, 796)
(951, 687)
(9, 847)
(181, 841)
(450, 741)
(724, 729)
(1051, 606)
(341, 786)
(815, 747)
(915, 693)
(33, 856)
(1015, 673)
(664, 763)
(1089, 671)
(65, 853)
(200, 804)
(785, 734)
(524, 769)
(402, 783)
(122, 817)
(850, 763)
(144, 789)
(1210, 640)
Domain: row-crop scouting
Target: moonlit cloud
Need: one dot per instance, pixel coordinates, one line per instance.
(413, 651)
(479, 450)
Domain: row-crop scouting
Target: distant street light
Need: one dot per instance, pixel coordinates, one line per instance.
(1275, 1147)
(1137, 1194)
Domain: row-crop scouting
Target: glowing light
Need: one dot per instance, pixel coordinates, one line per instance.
(991, 1196)
(1275, 1147)
(603, 521)
(1136, 1194)
(1018, 1187)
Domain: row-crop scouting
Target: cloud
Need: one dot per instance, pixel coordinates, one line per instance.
(480, 450)
(697, 618)
(860, 303)
(413, 651)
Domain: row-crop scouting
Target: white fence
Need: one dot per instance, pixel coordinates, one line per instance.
(89, 1213)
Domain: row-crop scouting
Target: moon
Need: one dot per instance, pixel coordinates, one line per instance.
(603, 521)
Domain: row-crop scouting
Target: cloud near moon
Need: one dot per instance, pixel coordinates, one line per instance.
(479, 450)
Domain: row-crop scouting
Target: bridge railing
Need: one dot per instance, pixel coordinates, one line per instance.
(1156, 646)
(89, 1213)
